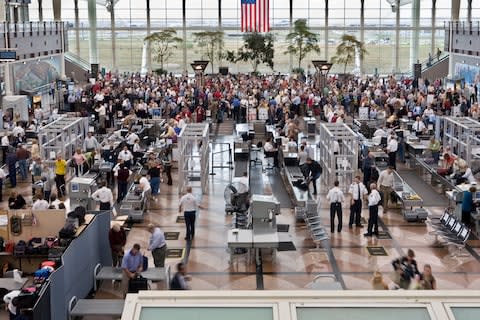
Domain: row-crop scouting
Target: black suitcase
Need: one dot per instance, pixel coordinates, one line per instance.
(55, 255)
(137, 284)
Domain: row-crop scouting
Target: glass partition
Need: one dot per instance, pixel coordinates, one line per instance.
(362, 313)
(210, 313)
(466, 313)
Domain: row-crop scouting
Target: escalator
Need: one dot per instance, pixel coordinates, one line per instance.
(76, 67)
(435, 68)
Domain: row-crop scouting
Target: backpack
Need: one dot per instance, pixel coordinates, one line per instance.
(51, 242)
(68, 231)
(10, 246)
(15, 225)
(80, 213)
(20, 248)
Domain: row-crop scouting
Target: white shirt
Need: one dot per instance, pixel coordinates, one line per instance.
(188, 202)
(374, 198)
(469, 176)
(40, 205)
(335, 195)
(385, 179)
(90, 143)
(268, 147)
(102, 111)
(336, 147)
(242, 184)
(132, 137)
(357, 189)
(136, 148)
(392, 145)
(144, 184)
(125, 155)
(18, 131)
(302, 157)
(5, 141)
(103, 195)
(418, 126)
(8, 300)
(2, 174)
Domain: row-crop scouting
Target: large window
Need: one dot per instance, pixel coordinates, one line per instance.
(344, 17)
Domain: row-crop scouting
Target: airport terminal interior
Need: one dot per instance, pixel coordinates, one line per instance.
(271, 159)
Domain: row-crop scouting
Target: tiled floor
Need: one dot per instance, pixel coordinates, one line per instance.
(347, 259)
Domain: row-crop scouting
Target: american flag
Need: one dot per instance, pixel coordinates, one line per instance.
(255, 15)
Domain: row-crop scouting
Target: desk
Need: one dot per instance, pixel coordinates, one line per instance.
(10, 284)
(97, 307)
(111, 273)
(241, 239)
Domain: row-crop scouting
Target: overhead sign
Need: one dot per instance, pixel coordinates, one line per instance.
(8, 55)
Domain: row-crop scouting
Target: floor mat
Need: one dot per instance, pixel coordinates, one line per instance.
(180, 219)
(283, 227)
(175, 253)
(377, 251)
(384, 236)
(171, 235)
(286, 246)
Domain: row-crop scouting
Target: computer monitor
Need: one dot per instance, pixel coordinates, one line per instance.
(476, 196)
(74, 187)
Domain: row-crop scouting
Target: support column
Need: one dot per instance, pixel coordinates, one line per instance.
(114, 36)
(433, 50)
(326, 31)
(184, 22)
(220, 24)
(362, 32)
(40, 11)
(396, 53)
(62, 58)
(290, 22)
(469, 11)
(455, 10)
(92, 39)
(57, 10)
(414, 37)
(149, 31)
(77, 28)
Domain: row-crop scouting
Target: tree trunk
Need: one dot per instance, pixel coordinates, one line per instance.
(161, 63)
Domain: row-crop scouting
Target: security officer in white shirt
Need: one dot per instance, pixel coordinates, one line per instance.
(392, 148)
(418, 126)
(336, 198)
(373, 202)
(105, 196)
(358, 191)
(189, 204)
(126, 156)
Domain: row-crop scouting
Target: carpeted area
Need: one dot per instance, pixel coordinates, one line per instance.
(430, 197)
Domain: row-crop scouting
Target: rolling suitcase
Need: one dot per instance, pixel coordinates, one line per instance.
(137, 284)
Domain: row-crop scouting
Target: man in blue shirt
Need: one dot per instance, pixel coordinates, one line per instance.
(467, 205)
(132, 265)
(157, 245)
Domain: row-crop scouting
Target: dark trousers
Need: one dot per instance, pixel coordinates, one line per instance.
(122, 190)
(159, 255)
(466, 217)
(12, 176)
(373, 219)
(105, 206)
(392, 159)
(190, 224)
(1, 191)
(355, 212)
(60, 183)
(314, 181)
(335, 208)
